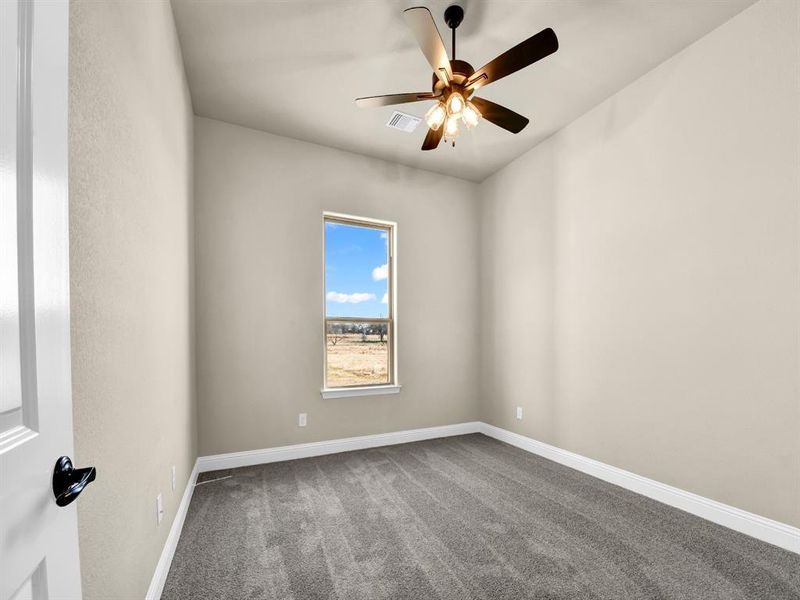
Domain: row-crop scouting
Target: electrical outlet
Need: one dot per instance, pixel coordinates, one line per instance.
(302, 419)
(159, 508)
(174, 479)
(519, 413)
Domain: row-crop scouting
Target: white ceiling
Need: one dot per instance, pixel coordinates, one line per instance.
(294, 67)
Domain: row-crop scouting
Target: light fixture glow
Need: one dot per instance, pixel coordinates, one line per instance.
(455, 104)
(451, 130)
(436, 115)
(470, 115)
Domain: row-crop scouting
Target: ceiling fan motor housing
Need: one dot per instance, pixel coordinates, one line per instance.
(462, 71)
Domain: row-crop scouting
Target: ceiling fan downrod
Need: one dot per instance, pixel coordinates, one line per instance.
(453, 15)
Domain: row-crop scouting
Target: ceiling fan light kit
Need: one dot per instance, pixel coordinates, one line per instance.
(455, 81)
(451, 129)
(471, 115)
(436, 115)
(455, 104)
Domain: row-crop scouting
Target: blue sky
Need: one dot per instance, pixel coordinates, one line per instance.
(356, 283)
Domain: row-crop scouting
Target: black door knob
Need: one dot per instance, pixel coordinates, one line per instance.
(68, 482)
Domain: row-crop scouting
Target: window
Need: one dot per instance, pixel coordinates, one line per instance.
(359, 306)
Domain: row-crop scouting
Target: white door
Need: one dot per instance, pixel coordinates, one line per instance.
(38, 538)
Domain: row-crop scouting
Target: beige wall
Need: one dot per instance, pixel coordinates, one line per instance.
(131, 285)
(259, 202)
(641, 274)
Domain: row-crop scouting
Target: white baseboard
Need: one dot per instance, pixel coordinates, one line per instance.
(268, 455)
(767, 530)
(165, 560)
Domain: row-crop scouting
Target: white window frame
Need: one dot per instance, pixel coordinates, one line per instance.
(393, 387)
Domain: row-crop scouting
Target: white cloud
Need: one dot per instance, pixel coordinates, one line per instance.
(349, 298)
(381, 272)
(385, 299)
(384, 235)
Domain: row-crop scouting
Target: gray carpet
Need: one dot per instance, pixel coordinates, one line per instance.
(455, 518)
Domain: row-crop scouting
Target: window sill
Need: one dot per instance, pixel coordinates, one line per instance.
(372, 390)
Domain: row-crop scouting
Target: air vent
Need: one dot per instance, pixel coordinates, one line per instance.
(403, 122)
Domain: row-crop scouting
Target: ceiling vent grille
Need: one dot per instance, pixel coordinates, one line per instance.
(403, 122)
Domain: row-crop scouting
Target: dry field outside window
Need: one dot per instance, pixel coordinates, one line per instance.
(357, 359)
(359, 327)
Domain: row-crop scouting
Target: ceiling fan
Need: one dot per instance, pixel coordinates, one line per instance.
(455, 81)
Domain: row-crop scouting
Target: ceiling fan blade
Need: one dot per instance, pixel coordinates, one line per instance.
(373, 101)
(520, 56)
(500, 115)
(432, 139)
(420, 21)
